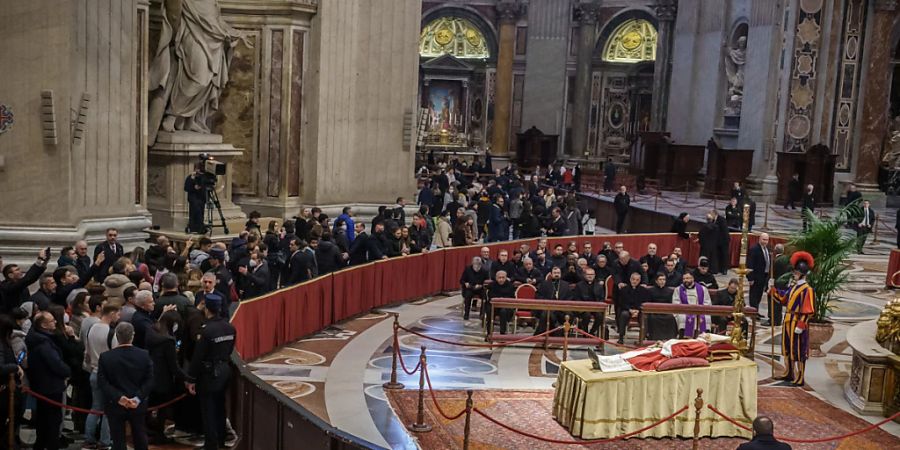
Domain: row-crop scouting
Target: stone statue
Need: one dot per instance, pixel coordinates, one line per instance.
(190, 67)
(890, 157)
(734, 71)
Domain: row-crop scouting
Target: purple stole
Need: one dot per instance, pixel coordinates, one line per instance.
(689, 319)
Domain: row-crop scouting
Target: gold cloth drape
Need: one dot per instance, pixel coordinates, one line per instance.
(592, 404)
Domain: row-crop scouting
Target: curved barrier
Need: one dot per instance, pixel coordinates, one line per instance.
(278, 318)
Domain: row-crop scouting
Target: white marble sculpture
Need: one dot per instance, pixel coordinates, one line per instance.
(190, 67)
(734, 71)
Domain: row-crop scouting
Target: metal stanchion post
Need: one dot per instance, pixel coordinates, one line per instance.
(766, 217)
(875, 230)
(420, 426)
(468, 419)
(394, 384)
(566, 327)
(698, 405)
(656, 202)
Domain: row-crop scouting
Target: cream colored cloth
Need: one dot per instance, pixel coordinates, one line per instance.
(592, 404)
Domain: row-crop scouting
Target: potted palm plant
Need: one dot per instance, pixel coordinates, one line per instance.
(830, 246)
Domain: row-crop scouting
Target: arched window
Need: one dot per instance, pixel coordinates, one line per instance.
(455, 36)
(632, 41)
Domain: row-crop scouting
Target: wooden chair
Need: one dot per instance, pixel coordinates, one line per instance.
(526, 291)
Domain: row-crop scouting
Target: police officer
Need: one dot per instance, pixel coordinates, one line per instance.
(209, 371)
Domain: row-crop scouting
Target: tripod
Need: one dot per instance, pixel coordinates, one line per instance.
(212, 203)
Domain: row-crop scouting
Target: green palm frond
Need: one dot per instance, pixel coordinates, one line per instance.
(825, 240)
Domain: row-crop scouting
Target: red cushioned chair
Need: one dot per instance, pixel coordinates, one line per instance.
(525, 291)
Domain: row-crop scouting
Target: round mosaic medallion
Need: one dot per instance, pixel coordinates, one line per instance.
(294, 389)
(811, 6)
(303, 358)
(844, 115)
(798, 127)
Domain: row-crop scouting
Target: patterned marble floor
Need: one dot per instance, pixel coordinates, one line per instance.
(338, 373)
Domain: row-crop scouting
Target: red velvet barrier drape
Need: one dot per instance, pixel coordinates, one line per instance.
(893, 267)
(268, 322)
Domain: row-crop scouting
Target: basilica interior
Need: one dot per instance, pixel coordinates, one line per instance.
(107, 107)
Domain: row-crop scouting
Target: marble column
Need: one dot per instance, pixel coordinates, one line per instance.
(508, 12)
(587, 14)
(875, 102)
(662, 68)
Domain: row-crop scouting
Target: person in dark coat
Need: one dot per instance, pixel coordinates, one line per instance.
(652, 259)
(590, 289)
(709, 243)
(672, 274)
(558, 226)
(734, 215)
(809, 204)
(256, 274)
(125, 374)
(661, 327)
(864, 227)
(328, 255)
(142, 320)
(168, 378)
(300, 264)
(609, 174)
(358, 247)
(47, 373)
(759, 261)
(724, 244)
(795, 190)
(703, 275)
(209, 371)
(529, 274)
(472, 284)
(502, 287)
(377, 244)
(629, 302)
(679, 226)
(737, 192)
(724, 297)
(498, 223)
(622, 204)
(554, 288)
(763, 437)
(9, 365)
(14, 287)
(112, 251)
(781, 269)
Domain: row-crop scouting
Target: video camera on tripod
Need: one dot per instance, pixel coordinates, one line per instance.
(211, 171)
(208, 178)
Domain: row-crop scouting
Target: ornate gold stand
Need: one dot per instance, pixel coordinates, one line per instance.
(737, 332)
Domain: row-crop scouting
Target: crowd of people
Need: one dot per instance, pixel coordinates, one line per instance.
(122, 333)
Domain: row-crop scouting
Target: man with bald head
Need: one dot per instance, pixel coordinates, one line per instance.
(624, 267)
(764, 437)
(501, 288)
(759, 261)
(82, 259)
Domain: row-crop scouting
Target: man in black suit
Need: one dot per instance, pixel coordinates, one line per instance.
(590, 290)
(794, 191)
(14, 287)
(111, 249)
(47, 373)
(358, 247)
(809, 203)
(376, 245)
(300, 265)
(759, 260)
(864, 227)
(125, 375)
(724, 244)
(764, 437)
(622, 203)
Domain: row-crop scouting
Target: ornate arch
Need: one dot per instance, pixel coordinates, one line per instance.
(470, 15)
(615, 24)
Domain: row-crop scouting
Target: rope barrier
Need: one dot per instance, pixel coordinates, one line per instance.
(584, 442)
(464, 344)
(400, 354)
(94, 412)
(604, 341)
(434, 399)
(809, 441)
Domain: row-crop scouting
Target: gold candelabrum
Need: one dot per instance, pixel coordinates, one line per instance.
(737, 332)
(888, 330)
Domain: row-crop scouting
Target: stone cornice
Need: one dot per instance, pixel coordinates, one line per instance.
(269, 7)
(666, 9)
(588, 12)
(510, 10)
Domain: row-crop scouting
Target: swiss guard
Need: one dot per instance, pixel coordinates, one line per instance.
(798, 299)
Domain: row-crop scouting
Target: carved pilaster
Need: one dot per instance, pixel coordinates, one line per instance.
(587, 13)
(666, 10)
(508, 11)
